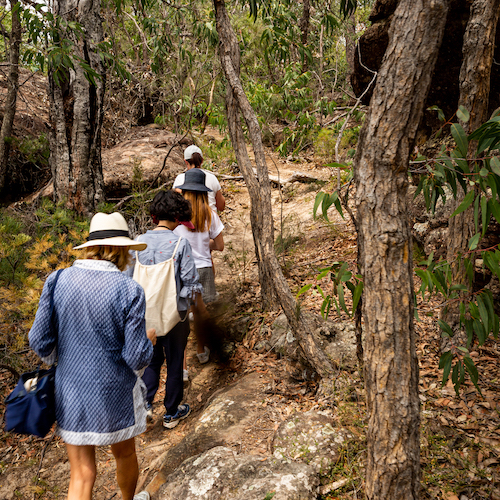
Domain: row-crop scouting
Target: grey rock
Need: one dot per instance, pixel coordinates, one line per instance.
(220, 474)
(311, 438)
(338, 340)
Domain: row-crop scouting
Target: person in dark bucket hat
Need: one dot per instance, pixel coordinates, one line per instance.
(205, 238)
(194, 180)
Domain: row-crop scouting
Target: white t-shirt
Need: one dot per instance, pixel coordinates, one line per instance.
(200, 242)
(211, 182)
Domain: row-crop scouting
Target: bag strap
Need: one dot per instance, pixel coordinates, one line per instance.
(176, 247)
(136, 254)
(52, 324)
(51, 299)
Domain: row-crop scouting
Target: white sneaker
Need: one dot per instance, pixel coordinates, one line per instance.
(185, 375)
(149, 412)
(204, 357)
(191, 317)
(143, 495)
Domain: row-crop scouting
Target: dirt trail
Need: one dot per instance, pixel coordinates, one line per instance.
(25, 458)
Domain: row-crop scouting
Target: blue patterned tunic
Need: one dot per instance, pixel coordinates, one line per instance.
(100, 345)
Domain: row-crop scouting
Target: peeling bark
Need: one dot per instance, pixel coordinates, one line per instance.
(12, 88)
(76, 114)
(381, 163)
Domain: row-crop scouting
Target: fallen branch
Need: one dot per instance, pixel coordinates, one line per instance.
(295, 177)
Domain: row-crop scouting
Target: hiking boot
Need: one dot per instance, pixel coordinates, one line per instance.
(149, 411)
(143, 495)
(170, 421)
(204, 357)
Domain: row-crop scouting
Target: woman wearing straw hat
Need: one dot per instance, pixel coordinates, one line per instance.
(204, 238)
(101, 347)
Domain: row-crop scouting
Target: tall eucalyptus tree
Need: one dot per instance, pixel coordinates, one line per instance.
(12, 88)
(76, 93)
(385, 248)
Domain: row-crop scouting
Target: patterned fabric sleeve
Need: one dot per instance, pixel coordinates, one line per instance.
(41, 339)
(138, 349)
(190, 283)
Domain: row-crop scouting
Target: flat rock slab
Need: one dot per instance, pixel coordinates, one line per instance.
(140, 157)
(220, 474)
(222, 423)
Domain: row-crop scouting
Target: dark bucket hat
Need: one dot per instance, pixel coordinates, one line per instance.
(194, 180)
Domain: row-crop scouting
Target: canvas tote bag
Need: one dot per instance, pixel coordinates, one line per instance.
(158, 282)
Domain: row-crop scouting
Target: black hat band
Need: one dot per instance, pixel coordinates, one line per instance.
(107, 233)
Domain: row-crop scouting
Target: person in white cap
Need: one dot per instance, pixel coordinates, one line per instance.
(101, 347)
(193, 157)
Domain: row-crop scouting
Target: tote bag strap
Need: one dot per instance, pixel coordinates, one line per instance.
(176, 247)
(173, 255)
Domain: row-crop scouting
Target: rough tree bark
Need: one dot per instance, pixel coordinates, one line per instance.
(304, 22)
(391, 369)
(11, 98)
(274, 287)
(350, 43)
(76, 113)
(475, 79)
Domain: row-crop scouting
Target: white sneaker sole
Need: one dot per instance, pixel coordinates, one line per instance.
(174, 423)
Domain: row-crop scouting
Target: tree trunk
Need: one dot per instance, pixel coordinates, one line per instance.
(274, 287)
(76, 113)
(475, 76)
(304, 28)
(391, 369)
(12, 87)
(350, 43)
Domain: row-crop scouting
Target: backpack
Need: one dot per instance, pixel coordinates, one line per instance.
(158, 282)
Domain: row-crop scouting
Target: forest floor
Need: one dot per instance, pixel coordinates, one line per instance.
(460, 435)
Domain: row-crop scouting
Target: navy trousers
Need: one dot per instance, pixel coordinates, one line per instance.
(169, 348)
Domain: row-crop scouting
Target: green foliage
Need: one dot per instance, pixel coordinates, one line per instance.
(326, 201)
(220, 153)
(479, 179)
(324, 144)
(35, 149)
(341, 279)
(32, 245)
(52, 43)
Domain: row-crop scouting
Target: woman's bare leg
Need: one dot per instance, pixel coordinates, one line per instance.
(83, 471)
(201, 315)
(127, 468)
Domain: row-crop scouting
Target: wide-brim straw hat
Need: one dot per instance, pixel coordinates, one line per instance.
(194, 180)
(110, 230)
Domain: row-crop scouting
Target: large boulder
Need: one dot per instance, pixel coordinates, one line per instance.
(444, 90)
(220, 474)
